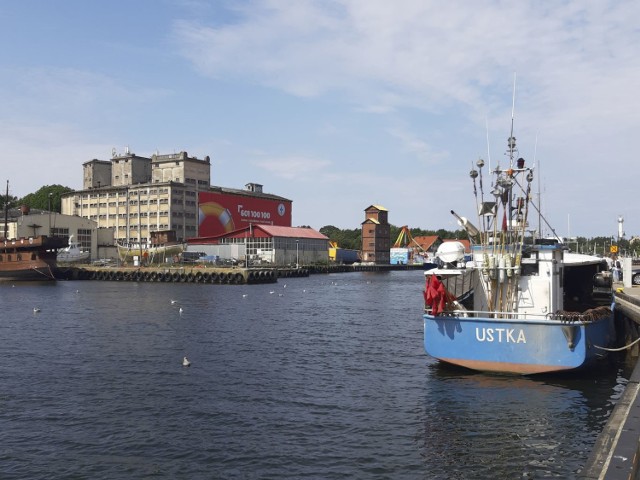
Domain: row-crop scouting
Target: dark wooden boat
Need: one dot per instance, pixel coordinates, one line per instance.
(32, 258)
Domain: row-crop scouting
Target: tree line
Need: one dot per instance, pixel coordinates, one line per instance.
(46, 198)
(352, 239)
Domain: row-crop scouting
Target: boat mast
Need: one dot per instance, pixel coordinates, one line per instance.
(6, 213)
(512, 141)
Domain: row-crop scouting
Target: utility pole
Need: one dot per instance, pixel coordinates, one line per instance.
(49, 232)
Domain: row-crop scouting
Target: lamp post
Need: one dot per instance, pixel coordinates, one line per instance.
(297, 254)
(49, 232)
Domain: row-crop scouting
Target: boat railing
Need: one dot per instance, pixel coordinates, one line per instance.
(494, 315)
(560, 317)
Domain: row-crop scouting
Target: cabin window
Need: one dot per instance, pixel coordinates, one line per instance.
(9, 258)
(34, 256)
(19, 256)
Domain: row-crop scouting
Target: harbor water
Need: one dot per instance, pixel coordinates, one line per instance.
(322, 377)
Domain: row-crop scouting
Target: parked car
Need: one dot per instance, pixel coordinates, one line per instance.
(635, 276)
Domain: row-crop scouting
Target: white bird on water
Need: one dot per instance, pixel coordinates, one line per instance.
(181, 310)
(173, 302)
(186, 362)
(36, 310)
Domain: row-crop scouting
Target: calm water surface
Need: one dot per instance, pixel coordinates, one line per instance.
(323, 378)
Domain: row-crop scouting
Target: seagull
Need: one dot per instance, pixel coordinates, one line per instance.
(36, 310)
(272, 292)
(284, 286)
(186, 362)
(181, 310)
(245, 295)
(281, 294)
(173, 302)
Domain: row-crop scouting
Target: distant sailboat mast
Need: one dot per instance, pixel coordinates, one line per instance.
(6, 213)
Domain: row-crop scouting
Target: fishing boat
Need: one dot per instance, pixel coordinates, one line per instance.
(515, 304)
(73, 253)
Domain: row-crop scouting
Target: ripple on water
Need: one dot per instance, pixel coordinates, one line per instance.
(331, 382)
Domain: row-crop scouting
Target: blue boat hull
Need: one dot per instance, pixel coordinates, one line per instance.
(516, 346)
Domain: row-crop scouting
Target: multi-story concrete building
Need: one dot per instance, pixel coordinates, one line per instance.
(138, 195)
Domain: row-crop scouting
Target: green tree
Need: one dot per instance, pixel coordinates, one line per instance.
(351, 239)
(47, 197)
(8, 200)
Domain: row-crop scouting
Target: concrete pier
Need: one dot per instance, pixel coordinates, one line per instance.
(182, 274)
(219, 275)
(616, 453)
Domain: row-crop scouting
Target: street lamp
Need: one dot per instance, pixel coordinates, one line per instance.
(49, 232)
(297, 254)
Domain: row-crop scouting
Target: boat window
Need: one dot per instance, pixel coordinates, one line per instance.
(1, 258)
(34, 256)
(9, 258)
(19, 256)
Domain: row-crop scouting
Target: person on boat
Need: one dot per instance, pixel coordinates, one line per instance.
(616, 269)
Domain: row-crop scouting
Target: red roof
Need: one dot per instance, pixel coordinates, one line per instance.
(466, 243)
(291, 232)
(264, 231)
(426, 241)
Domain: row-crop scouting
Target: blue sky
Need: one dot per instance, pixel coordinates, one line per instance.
(335, 105)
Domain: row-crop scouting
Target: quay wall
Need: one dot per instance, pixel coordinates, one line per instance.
(616, 454)
(218, 275)
(224, 276)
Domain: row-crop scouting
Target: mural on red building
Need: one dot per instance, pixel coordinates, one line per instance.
(224, 212)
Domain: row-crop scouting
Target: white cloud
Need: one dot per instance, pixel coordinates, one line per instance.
(56, 92)
(296, 168)
(418, 147)
(425, 54)
(364, 100)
